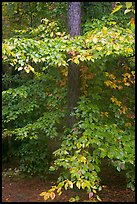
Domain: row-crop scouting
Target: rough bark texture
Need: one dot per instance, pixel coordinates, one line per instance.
(74, 26)
(74, 18)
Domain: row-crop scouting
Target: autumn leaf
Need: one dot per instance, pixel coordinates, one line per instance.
(78, 184)
(104, 30)
(52, 195)
(42, 194)
(51, 34)
(90, 195)
(46, 196)
(117, 8)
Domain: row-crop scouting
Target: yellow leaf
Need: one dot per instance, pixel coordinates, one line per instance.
(59, 33)
(130, 50)
(99, 48)
(111, 76)
(79, 145)
(66, 186)
(124, 109)
(121, 131)
(87, 183)
(78, 184)
(116, 9)
(113, 99)
(70, 184)
(26, 68)
(120, 87)
(83, 185)
(94, 191)
(31, 68)
(118, 103)
(133, 73)
(104, 30)
(95, 40)
(108, 83)
(46, 196)
(75, 60)
(128, 5)
(88, 57)
(114, 86)
(83, 159)
(106, 114)
(7, 47)
(60, 193)
(42, 194)
(51, 34)
(87, 40)
(52, 195)
(127, 84)
(98, 198)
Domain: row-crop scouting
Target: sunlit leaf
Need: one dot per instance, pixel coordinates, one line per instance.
(75, 60)
(51, 34)
(78, 184)
(104, 30)
(127, 11)
(99, 198)
(52, 195)
(95, 40)
(46, 196)
(128, 5)
(42, 194)
(117, 8)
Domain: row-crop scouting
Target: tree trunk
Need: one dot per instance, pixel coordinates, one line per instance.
(74, 26)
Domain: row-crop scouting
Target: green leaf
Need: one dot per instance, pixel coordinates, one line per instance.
(52, 168)
(83, 185)
(78, 184)
(128, 5)
(87, 183)
(60, 184)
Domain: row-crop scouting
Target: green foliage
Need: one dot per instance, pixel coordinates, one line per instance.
(34, 157)
(27, 107)
(95, 10)
(89, 141)
(17, 15)
(105, 54)
(58, 51)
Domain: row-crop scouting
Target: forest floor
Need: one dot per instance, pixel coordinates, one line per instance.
(17, 188)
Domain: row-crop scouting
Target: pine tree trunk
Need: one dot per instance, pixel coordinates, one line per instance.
(74, 26)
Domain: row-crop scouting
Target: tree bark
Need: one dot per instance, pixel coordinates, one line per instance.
(74, 27)
(74, 18)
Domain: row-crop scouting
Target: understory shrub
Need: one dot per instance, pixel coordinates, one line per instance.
(34, 157)
(82, 150)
